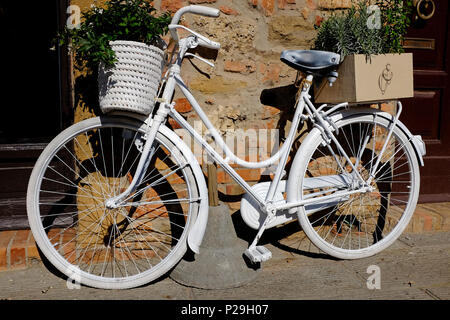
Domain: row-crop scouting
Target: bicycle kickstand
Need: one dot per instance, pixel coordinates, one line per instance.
(260, 253)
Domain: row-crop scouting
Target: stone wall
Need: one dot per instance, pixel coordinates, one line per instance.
(249, 88)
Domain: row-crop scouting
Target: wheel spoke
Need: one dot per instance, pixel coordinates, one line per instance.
(363, 223)
(134, 242)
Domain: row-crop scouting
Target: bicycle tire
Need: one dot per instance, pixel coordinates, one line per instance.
(343, 224)
(148, 236)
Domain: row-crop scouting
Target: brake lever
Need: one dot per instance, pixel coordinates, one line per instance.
(199, 58)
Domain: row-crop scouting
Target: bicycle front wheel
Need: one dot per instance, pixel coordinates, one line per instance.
(360, 224)
(89, 163)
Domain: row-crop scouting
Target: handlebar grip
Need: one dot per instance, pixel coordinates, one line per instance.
(205, 11)
(201, 10)
(209, 44)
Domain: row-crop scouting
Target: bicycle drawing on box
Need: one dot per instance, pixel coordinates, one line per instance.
(118, 199)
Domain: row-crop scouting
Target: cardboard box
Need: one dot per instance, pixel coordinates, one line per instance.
(360, 80)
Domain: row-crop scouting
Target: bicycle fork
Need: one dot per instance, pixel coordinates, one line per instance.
(145, 158)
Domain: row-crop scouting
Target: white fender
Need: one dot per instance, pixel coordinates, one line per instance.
(197, 231)
(416, 140)
(198, 228)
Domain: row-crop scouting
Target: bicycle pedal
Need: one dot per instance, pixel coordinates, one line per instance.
(258, 254)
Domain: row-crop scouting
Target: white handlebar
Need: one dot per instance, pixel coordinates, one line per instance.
(208, 44)
(201, 40)
(201, 10)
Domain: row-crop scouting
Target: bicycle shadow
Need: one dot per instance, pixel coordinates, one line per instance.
(290, 237)
(284, 99)
(86, 94)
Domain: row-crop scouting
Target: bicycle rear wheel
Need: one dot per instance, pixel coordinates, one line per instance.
(125, 247)
(361, 224)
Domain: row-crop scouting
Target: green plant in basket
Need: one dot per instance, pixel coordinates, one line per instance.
(132, 20)
(349, 32)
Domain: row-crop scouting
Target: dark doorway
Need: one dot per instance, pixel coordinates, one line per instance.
(34, 96)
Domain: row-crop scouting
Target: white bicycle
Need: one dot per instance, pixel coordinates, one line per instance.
(115, 201)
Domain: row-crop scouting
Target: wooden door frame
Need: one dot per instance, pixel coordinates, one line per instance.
(439, 79)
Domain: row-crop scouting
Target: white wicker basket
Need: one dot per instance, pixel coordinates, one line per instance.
(132, 84)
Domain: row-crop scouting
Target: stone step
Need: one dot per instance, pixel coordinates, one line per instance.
(18, 249)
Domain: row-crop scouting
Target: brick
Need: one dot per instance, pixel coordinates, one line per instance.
(305, 12)
(54, 235)
(18, 249)
(234, 189)
(217, 84)
(229, 11)
(246, 174)
(234, 66)
(173, 123)
(291, 30)
(172, 6)
(286, 4)
(269, 112)
(335, 4)
(388, 107)
(273, 73)
(318, 21)
(440, 213)
(182, 105)
(21, 239)
(17, 258)
(223, 177)
(416, 224)
(33, 252)
(268, 7)
(6, 237)
(311, 4)
(429, 221)
(253, 3)
(379, 144)
(270, 72)
(250, 174)
(70, 252)
(271, 124)
(239, 66)
(445, 225)
(192, 117)
(201, 1)
(3, 259)
(160, 164)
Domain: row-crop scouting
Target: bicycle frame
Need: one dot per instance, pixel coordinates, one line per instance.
(230, 156)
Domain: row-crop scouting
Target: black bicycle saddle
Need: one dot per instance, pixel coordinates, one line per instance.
(310, 61)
